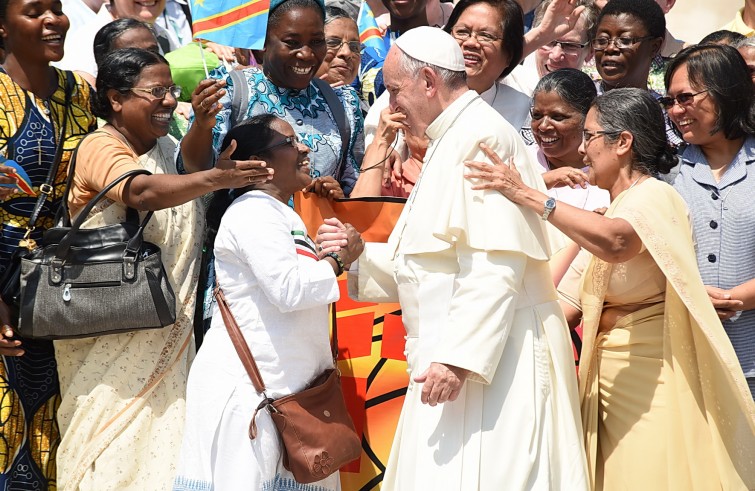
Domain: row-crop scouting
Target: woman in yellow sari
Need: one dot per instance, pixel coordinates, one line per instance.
(664, 401)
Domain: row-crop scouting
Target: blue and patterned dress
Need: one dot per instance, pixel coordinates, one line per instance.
(29, 391)
(308, 114)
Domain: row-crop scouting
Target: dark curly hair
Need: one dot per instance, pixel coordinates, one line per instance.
(573, 86)
(288, 5)
(647, 12)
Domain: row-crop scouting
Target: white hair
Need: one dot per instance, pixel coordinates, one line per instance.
(412, 66)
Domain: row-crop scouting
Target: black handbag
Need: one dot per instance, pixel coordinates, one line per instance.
(10, 281)
(92, 282)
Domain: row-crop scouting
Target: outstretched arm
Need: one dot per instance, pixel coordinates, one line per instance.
(611, 239)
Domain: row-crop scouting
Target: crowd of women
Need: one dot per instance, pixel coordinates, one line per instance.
(659, 275)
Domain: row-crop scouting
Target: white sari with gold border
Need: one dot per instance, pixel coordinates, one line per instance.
(123, 395)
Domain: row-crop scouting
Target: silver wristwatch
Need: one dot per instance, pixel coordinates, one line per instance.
(550, 205)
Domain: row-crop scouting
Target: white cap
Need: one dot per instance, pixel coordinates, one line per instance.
(432, 45)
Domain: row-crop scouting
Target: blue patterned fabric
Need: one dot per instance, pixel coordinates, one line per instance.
(309, 115)
(185, 484)
(287, 484)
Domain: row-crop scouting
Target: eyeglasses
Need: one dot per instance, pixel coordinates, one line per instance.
(482, 37)
(623, 42)
(289, 140)
(588, 136)
(159, 92)
(683, 99)
(334, 44)
(569, 48)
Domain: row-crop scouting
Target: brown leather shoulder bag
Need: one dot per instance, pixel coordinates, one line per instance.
(317, 431)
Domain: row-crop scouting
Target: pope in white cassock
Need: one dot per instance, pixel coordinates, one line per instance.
(492, 402)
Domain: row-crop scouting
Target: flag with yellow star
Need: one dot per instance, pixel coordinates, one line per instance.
(235, 23)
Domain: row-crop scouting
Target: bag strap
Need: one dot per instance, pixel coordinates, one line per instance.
(339, 114)
(47, 188)
(245, 354)
(65, 242)
(240, 100)
(237, 337)
(63, 216)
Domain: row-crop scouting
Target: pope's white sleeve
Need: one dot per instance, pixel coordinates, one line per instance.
(372, 280)
(481, 311)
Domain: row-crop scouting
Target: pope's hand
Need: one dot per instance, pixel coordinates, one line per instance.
(442, 383)
(331, 236)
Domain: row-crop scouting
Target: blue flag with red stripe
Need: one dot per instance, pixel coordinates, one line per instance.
(235, 23)
(372, 39)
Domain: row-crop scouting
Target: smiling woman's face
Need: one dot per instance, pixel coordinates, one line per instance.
(295, 48)
(289, 158)
(34, 30)
(341, 64)
(484, 59)
(557, 128)
(144, 116)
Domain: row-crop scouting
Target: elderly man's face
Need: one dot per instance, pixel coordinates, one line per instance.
(565, 52)
(405, 91)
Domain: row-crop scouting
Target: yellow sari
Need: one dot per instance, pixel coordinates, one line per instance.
(664, 401)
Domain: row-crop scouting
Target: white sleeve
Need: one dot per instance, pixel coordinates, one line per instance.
(372, 279)
(481, 311)
(290, 283)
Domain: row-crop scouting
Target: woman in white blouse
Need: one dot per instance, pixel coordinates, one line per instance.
(278, 286)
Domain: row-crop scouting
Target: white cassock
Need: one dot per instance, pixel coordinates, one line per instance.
(470, 270)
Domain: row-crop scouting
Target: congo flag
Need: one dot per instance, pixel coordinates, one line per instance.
(235, 23)
(370, 36)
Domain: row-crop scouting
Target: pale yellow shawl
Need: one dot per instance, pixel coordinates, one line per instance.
(123, 395)
(714, 413)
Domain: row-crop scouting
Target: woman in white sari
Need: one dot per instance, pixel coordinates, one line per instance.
(122, 409)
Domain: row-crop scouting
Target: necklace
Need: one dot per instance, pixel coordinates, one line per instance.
(723, 198)
(618, 199)
(636, 181)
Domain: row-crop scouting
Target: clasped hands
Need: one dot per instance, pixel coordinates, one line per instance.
(726, 307)
(340, 238)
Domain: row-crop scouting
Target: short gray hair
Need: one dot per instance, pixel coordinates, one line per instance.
(636, 111)
(452, 79)
(745, 43)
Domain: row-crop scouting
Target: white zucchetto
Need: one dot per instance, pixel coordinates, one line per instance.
(432, 45)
